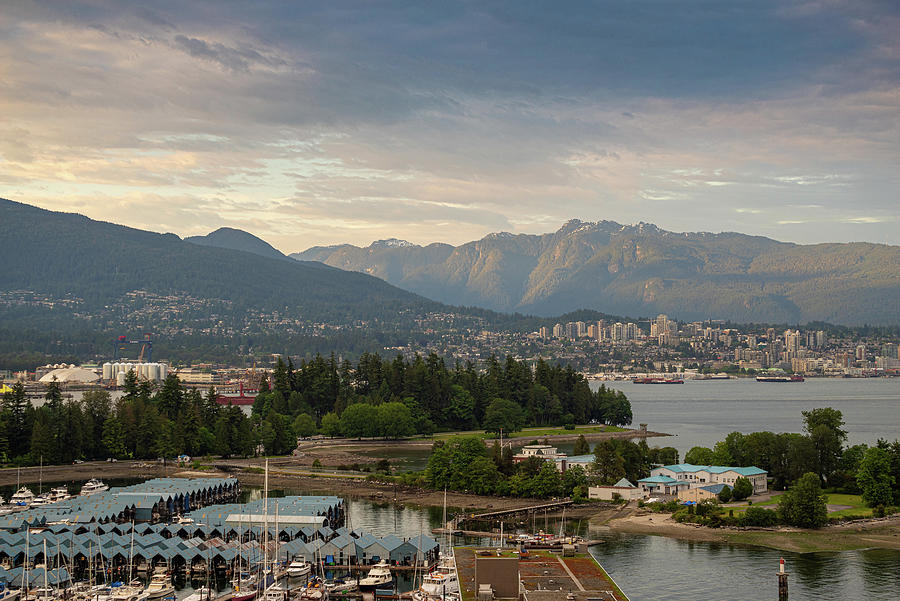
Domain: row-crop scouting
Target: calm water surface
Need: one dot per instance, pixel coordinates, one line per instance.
(702, 413)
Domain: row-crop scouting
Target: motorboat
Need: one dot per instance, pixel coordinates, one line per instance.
(441, 581)
(276, 592)
(119, 591)
(92, 487)
(204, 593)
(160, 586)
(379, 575)
(22, 498)
(40, 501)
(298, 569)
(60, 493)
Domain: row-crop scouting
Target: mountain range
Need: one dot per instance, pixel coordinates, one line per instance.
(62, 254)
(641, 270)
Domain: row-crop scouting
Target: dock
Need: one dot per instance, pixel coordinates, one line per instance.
(544, 575)
(489, 515)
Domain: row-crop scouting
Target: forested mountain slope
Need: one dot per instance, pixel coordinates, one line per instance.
(63, 254)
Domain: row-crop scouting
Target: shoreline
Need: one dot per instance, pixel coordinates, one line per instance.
(883, 533)
(859, 534)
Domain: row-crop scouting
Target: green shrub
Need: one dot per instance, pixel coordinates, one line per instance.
(759, 517)
(725, 494)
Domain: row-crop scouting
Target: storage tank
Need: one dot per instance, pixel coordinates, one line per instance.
(120, 378)
(107, 371)
(153, 373)
(163, 371)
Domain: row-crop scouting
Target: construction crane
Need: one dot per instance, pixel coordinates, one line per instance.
(145, 343)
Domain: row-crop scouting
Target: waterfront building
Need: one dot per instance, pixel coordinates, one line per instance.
(623, 488)
(662, 485)
(701, 493)
(542, 451)
(699, 475)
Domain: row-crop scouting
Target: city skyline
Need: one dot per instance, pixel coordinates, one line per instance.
(353, 123)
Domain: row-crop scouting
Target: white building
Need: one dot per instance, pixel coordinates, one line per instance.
(700, 475)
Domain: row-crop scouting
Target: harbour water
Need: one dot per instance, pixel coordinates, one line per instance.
(700, 413)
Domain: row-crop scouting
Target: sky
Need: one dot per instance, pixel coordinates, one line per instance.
(314, 123)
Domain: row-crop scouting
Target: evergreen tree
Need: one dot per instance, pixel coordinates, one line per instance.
(581, 446)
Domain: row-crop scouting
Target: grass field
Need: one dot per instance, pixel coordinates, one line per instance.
(857, 507)
(537, 432)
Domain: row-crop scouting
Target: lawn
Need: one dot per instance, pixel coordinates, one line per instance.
(537, 432)
(855, 502)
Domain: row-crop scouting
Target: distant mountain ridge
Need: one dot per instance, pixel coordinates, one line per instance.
(227, 237)
(641, 270)
(69, 254)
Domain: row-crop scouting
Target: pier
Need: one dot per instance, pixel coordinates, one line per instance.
(489, 515)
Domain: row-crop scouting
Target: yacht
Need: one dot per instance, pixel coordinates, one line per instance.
(60, 493)
(379, 575)
(22, 498)
(276, 592)
(40, 500)
(298, 569)
(119, 591)
(441, 581)
(160, 586)
(204, 593)
(93, 486)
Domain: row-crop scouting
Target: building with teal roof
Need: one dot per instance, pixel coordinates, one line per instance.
(701, 475)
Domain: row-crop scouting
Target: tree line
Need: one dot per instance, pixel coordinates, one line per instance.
(374, 398)
(377, 397)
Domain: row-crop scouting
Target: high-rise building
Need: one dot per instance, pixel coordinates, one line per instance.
(580, 329)
(662, 323)
(792, 342)
(592, 332)
(617, 332)
(861, 352)
(558, 330)
(544, 333)
(571, 330)
(631, 331)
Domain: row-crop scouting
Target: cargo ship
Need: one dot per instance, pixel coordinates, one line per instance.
(780, 379)
(658, 381)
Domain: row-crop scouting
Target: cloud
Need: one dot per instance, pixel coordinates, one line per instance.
(331, 122)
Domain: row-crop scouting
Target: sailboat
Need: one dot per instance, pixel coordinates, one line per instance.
(273, 590)
(443, 580)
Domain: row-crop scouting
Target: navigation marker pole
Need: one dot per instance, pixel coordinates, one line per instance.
(782, 581)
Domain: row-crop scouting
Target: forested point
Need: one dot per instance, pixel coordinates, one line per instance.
(373, 398)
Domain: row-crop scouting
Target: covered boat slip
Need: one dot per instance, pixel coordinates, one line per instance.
(96, 530)
(155, 500)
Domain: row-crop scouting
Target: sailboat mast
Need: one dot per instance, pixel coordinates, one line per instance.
(131, 555)
(46, 563)
(265, 521)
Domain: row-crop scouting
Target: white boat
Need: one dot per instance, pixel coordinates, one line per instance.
(118, 591)
(60, 493)
(379, 575)
(40, 500)
(160, 586)
(93, 486)
(276, 592)
(298, 569)
(205, 593)
(441, 581)
(22, 498)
